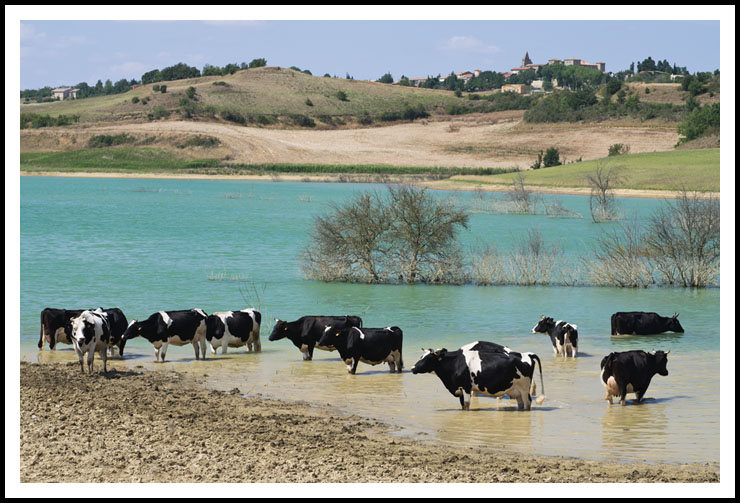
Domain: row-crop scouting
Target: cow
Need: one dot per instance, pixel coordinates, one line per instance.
(117, 323)
(234, 329)
(631, 372)
(170, 327)
(641, 323)
(368, 345)
(90, 333)
(306, 331)
(485, 368)
(54, 326)
(564, 336)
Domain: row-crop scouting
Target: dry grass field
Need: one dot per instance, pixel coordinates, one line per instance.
(497, 139)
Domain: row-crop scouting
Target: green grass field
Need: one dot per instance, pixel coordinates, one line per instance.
(156, 160)
(694, 169)
(115, 160)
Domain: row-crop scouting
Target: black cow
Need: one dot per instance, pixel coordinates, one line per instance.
(170, 327)
(564, 336)
(631, 372)
(233, 329)
(641, 323)
(368, 345)
(54, 326)
(306, 331)
(486, 368)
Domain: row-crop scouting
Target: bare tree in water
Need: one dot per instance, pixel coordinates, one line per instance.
(602, 181)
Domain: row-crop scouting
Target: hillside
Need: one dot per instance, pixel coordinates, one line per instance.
(271, 92)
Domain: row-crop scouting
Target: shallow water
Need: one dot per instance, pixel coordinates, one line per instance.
(147, 245)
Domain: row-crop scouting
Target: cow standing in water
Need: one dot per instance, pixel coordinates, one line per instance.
(564, 336)
(234, 329)
(486, 368)
(642, 323)
(306, 331)
(170, 327)
(368, 345)
(55, 326)
(631, 372)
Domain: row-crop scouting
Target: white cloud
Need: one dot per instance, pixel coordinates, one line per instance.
(464, 43)
(29, 35)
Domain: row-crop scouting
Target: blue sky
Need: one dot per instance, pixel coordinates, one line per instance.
(66, 52)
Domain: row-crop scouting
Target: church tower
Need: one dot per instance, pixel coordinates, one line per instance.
(526, 61)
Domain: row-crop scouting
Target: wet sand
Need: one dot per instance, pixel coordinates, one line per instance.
(133, 425)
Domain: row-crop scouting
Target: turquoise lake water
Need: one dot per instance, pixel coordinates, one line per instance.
(146, 245)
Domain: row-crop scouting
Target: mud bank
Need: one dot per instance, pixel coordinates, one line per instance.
(133, 425)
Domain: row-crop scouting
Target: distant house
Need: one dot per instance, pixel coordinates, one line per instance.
(64, 93)
(515, 88)
(464, 75)
(417, 82)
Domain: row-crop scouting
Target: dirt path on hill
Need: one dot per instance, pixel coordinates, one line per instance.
(498, 139)
(133, 425)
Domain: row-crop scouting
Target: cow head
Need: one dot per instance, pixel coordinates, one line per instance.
(661, 362)
(544, 325)
(132, 330)
(428, 361)
(82, 329)
(214, 328)
(279, 331)
(674, 325)
(327, 339)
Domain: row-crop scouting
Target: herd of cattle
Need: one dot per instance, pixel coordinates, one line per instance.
(479, 367)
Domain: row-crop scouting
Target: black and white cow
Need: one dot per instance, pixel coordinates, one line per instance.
(54, 326)
(367, 345)
(306, 331)
(486, 368)
(170, 327)
(117, 324)
(641, 323)
(90, 333)
(234, 329)
(631, 372)
(564, 336)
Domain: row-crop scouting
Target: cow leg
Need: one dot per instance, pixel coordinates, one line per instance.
(466, 400)
(304, 352)
(639, 396)
(156, 354)
(90, 359)
(104, 357)
(354, 365)
(257, 343)
(202, 344)
(392, 366)
(80, 357)
(163, 351)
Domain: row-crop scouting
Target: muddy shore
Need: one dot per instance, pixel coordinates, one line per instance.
(133, 425)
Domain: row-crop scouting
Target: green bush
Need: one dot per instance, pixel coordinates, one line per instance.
(264, 120)
(200, 141)
(457, 109)
(618, 149)
(233, 116)
(190, 92)
(309, 102)
(551, 158)
(220, 83)
(163, 88)
(159, 112)
(341, 96)
(104, 140)
(155, 88)
(38, 121)
(302, 121)
(135, 99)
(702, 121)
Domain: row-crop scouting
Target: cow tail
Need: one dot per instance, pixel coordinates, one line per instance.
(541, 397)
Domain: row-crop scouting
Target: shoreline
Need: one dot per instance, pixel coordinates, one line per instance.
(452, 184)
(143, 432)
